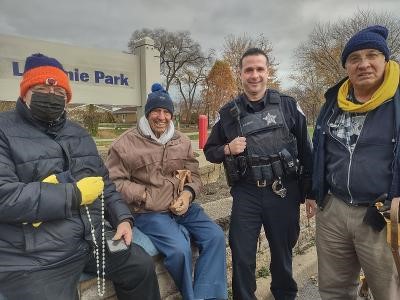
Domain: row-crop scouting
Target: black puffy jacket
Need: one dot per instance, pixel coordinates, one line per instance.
(30, 152)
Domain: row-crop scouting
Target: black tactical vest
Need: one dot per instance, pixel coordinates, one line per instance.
(266, 131)
(267, 134)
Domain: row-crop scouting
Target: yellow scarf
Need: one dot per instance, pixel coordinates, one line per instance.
(384, 92)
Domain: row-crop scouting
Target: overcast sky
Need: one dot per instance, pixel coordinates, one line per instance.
(110, 23)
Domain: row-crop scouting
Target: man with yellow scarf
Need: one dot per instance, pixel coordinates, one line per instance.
(356, 160)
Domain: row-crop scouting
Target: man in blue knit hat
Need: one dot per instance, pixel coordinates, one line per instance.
(154, 168)
(356, 163)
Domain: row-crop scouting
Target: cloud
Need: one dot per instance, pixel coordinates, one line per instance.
(109, 24)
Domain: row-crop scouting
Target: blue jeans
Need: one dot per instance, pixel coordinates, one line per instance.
(171, 236)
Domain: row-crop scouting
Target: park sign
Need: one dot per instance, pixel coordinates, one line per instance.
(97, 76)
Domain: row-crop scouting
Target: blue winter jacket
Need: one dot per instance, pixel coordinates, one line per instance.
(321, 132)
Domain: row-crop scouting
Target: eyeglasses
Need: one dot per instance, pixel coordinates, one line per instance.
(58, 91)
(356, 58)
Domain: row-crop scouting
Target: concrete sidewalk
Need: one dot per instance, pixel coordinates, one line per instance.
(304, 267)
(305, 272)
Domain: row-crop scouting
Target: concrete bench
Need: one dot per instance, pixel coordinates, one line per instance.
(219, 211)
(139, 238)
(88, 282)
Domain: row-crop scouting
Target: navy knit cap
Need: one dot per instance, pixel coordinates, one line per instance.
(373, 37)
(158, 98)
(40, 60)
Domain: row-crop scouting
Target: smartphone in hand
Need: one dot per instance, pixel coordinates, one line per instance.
(114, 246)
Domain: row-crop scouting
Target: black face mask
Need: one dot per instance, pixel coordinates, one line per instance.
(47, 107)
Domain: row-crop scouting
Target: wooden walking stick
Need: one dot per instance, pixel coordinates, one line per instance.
(393, 232)
(184, 176)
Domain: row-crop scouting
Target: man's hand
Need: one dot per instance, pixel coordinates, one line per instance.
(124, 231)
(181, 204)
(236, 146)
(311, 208)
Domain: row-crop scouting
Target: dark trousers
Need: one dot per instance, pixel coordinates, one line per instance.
(132, 273)
(253, 207)
(54, 283)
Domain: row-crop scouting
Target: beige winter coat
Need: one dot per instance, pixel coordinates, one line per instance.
(138, 165)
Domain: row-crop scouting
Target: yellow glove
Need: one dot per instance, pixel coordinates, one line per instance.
(48, 179)
(90, 188)
(51, 179)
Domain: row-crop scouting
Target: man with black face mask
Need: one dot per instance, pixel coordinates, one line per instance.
(54, 194)
(47, 106)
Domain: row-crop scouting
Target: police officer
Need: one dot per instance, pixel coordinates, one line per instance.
(262, 139)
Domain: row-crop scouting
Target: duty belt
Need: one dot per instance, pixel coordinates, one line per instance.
(276, 186)
(270, 170)
(265, 170)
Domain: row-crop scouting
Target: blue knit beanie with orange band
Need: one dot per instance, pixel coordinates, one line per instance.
(41, 69)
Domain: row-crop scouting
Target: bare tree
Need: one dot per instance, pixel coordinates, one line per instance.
(308, 98)
(177, 51)
(235, 46)
(190, 80)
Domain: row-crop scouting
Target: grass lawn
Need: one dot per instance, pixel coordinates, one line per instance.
(310, 130)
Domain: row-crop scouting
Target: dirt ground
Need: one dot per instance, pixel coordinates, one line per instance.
(214, 191)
